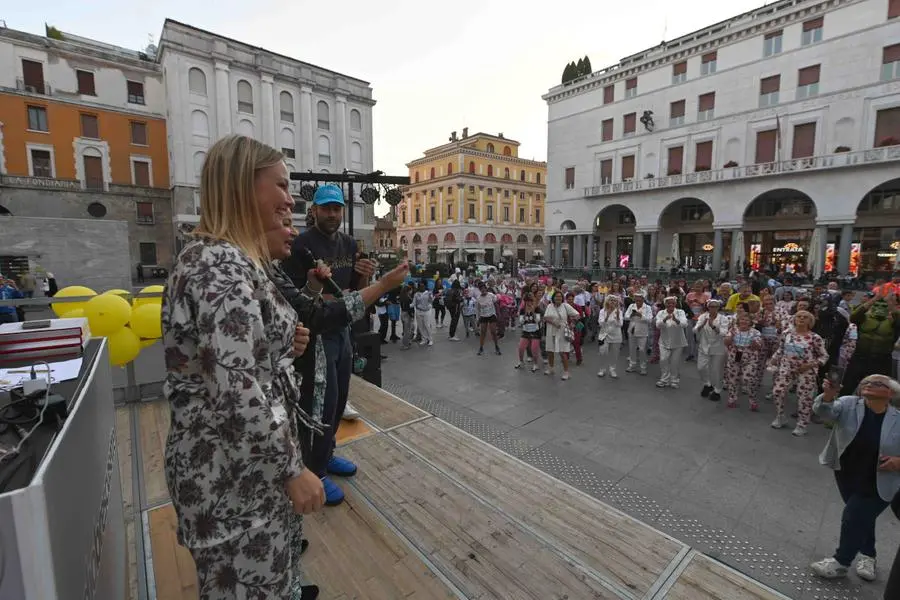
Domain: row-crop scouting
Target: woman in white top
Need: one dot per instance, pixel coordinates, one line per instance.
(556, 317)
(609, 335)
(671, 322)
(486, 310)
(711, 329)
(639, 316)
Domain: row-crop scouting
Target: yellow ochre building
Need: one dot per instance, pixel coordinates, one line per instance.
(473, 200)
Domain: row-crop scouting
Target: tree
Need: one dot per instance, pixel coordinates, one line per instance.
(587, 66)
(569, 73)
(579, 68)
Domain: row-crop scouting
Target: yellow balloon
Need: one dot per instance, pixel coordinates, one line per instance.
(124, 346)
(73, 314)
(60, 308)
(146, 321)
(150, 289)
(107, 313)
(147, 343)
(118, 292)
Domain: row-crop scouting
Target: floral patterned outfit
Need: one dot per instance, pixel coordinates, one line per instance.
(743, 365)
(228, 338)
(796, 349)
(767, 321)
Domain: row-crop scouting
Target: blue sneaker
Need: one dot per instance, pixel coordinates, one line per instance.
(341, 467)
(334, 495)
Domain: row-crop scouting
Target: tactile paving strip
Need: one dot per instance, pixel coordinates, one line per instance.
(792, 579)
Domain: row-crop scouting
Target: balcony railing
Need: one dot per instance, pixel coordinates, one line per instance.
(34, 87)
(795, 165)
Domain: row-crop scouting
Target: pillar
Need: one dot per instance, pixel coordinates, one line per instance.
(637, 258)
(843, 255)
(717, 251)
(340, 136)
(267, 113)
(223, 100)
(577, 251)
(307, 131)
(822, 232)
(654, 250)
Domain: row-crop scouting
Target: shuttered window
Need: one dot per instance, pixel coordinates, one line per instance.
(707, 102)
(887, 125)
(813, 24)
(765, 146)
(770, 84)
(676, 160)
(606, 171)
(629, 123)
(703, 156)
(679, 68)
(808, 75)
(609, 94)
(627, 167)
(804, 144)
(676, 109)
(606, 130)
(893, 9)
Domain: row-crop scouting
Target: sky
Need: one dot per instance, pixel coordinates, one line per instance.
(434, 67)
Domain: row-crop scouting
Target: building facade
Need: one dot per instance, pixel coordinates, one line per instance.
(473, 200)
(216, 86)
(83, 136)
(385, 236)
(772, 138)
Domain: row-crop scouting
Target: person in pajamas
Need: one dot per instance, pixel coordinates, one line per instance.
(639, 316)
(711, 329)
(671, 322)
(744, 344)
(769, 324)
(610, 335)
(797, 361)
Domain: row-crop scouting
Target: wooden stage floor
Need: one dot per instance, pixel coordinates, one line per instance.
(433, 513)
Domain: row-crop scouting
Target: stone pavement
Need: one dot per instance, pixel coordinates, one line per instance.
(718, 479)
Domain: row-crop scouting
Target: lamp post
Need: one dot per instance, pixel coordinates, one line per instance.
(371, 184)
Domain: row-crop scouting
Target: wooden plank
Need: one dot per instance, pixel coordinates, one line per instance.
(353, 554)
(125, 453)
(352, 430)
(381, 407)
(704, 578)
(620, 548)
(173, 566)
(482, 552)
(153, 422)
(131, 579)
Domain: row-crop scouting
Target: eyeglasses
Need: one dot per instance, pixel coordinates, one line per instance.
(879, 384)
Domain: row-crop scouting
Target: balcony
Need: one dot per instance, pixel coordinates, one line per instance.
(34, 87)
(813, 163)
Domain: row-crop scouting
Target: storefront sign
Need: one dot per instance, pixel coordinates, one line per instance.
(791, 235)
(707, 247)
(789, 248)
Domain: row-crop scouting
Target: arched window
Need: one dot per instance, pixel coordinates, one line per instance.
(324, 150)
(356, 156)
(449, 238)
(522, 175)
(432, 173)
(507, 151)
(355, 120)
(199, 159)
(432, 239)
(449, 168)
(472, 237)
(538, 176)
(197, 81)
(323, 115)
(490, 170)
(417, 239)
(245, 127)
(287, 141)
(286, 103)
(506, 172)
(244, 97)
(490, 238)
(471, 166)
(506, 238)
(522, 239)
(537, 240)
(490, 148)
(199, 124)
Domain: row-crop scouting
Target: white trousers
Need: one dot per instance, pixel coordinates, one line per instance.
(670, 364)
(424, 323)
(637, 351)
(609, 355)
(712, 370)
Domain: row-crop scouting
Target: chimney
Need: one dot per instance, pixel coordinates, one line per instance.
(501, 135)
(465, 132)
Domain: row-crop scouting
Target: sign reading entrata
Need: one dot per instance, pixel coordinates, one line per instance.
(789, 248)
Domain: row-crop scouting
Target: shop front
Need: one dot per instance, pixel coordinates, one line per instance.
(778, 250)
(876, 250)
(695, 250)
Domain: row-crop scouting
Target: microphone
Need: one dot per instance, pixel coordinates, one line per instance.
(308, 261)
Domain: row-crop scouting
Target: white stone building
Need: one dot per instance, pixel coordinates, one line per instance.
(775, 138)
(216, 86)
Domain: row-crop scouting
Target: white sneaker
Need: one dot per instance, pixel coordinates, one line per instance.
(350, 413)
(518, 365)
(613, 374)
(799, 430)
(661, 384)
(601, 373)
(431, 342)
(829, 568)
(548, 372)
(779, 422)
(629, 369)
(454, 339)
(674, 385)
(423, 343)
(865, 567)
(565, 376)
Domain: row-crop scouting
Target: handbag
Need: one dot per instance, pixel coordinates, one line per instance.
(568, 334)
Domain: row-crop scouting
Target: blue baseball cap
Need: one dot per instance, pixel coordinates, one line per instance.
(328, 194)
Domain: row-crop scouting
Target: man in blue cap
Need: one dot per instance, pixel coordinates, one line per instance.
(339, 251)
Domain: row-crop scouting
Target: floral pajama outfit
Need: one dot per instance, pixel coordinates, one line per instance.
(743, 365)
(767, 322)
(796, 349)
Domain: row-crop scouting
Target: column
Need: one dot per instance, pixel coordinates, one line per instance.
(340, 136)
(601, 250)
(267, 114)
(822, 231)
(717, 251)
(654, 250)
(637, 259)
(223, 100)
(843, 257)
(557, 250)
(307, 130)
(578, 246)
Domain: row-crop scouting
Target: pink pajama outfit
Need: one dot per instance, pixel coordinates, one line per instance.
(795, 350)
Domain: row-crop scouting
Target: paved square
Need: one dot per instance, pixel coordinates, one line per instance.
(718, 479)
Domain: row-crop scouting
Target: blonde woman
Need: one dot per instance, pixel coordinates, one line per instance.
(558, 317)
(745, 344)
(639, 315)
(711, 329)
(609, 335)
(233, 461)
(670, 322)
